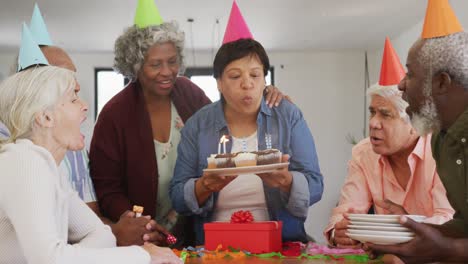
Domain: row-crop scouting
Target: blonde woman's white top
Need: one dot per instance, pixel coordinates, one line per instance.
(43, 221)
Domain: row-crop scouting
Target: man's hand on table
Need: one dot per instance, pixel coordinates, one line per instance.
(340, 239)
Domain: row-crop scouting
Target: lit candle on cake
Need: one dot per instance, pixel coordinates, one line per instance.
(223, 141)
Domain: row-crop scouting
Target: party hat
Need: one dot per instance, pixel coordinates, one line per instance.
(39, 28)
(440, 20)
(30, 53)
(147, 14)
(391, 71)
(236, 27)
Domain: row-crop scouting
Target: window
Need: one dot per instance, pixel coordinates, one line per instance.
(203, 77)
(107, 84)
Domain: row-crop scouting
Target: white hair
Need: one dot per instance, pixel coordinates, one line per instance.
(445, 54)
(427, 119)
(27, 93)
(393, 95)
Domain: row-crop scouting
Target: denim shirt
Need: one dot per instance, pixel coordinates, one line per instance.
(289, 133)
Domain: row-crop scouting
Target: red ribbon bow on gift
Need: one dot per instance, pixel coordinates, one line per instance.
(242, 217)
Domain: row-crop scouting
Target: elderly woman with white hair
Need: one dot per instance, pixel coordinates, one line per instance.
(42, 220)
(134, 146)
(392, 170)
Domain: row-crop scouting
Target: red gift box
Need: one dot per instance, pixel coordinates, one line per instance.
(255, 237)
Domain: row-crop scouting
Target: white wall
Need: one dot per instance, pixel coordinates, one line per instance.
(402, 43)
(405, 40)
(327, 86)
(6, 60)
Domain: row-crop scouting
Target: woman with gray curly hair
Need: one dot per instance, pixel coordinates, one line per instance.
(42, 220)
(132, 47)
(134, 145)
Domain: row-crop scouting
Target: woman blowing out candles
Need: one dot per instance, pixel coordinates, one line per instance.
(285, 195)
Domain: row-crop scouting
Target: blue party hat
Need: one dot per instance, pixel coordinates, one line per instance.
(30, 53)
(39, 28)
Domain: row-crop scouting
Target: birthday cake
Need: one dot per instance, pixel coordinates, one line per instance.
(243, 159)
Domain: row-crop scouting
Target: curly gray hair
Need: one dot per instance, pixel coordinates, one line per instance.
(445, 54)
(131, 47)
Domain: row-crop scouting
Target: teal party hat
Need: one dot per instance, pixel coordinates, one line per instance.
(29, 53)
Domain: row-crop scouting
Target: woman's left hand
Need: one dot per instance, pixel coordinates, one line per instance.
(280, 178)
(273, 96)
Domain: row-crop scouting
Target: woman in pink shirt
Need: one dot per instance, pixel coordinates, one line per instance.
(392, 170)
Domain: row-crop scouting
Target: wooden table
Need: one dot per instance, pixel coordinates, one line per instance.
(253, 260)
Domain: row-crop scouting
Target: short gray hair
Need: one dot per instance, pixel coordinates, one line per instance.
(393, 95)
(27, 93)
(131, 47)
(445, 54)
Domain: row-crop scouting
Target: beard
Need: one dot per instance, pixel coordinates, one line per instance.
(427, 119)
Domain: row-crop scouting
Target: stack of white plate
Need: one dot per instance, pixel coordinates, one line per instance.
(380, 229)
